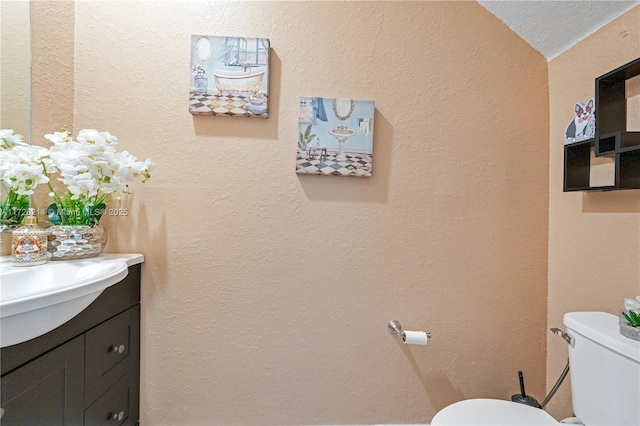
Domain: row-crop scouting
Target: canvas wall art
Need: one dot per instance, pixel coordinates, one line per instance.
(335, 137)
(229, 76)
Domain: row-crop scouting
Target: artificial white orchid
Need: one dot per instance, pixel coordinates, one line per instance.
(22, 169)
(93, 173)
(632, 304)
(9, 139)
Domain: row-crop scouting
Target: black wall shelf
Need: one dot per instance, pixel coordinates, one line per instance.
(611, 139)
(577, 167)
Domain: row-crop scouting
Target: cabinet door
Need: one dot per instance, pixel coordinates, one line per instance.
(48, 391)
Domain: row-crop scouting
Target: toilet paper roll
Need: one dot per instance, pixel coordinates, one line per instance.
(415, 337)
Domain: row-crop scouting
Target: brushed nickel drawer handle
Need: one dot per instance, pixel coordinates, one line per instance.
(118, 416)
(116, 349)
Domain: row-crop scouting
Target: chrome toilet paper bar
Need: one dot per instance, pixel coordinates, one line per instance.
(395, 328)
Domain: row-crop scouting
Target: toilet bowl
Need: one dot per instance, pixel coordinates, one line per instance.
(494, 412)
(600, 396)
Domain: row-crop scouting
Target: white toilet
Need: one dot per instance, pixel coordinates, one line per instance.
(605, 381)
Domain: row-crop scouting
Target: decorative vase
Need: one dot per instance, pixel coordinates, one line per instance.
(200, 85)
(67, 242)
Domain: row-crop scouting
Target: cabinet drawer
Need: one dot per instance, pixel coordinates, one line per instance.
(111, 350)
(119, 405)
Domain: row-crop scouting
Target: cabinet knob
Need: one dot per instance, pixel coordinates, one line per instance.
(118, 416)
(116, 349)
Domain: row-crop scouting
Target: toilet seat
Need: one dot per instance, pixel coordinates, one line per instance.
(492, 412)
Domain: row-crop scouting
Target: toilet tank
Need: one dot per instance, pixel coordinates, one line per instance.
(605, 370)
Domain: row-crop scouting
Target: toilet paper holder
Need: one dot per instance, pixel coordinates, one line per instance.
(395, 328)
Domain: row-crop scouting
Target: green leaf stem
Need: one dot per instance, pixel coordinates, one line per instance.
(632, 318)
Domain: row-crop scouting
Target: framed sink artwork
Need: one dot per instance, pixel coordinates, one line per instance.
(229, 76)
(335, 137)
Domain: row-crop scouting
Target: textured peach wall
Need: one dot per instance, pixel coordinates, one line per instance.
(266, 294)
(594, 238)
(14, 65)
(53, 45)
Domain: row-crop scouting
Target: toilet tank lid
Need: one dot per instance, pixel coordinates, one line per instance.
(604, 329)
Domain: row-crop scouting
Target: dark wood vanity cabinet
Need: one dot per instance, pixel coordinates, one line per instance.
(85, 372)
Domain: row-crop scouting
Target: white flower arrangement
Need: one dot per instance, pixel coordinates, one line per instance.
(93, 173)
(22, 169)
(199, 70)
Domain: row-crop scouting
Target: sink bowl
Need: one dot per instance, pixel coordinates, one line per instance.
(341, 134)
(36, 299)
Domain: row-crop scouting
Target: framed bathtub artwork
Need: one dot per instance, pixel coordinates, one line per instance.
(229, 76)
(335, 137)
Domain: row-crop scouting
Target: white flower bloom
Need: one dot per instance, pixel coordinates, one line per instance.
(59, 138)
(94, 137)
(65, 154)
(27, 154)
(81, 186)
(9, 139)
(21, 169)
(4, 161)
(5, 133)
(49, 166)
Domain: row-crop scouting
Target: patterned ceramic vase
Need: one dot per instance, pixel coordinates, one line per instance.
(68, 242)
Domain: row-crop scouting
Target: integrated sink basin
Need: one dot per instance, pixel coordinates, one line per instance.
(36, 299)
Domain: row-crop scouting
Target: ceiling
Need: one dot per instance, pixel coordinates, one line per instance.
(552, 27)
